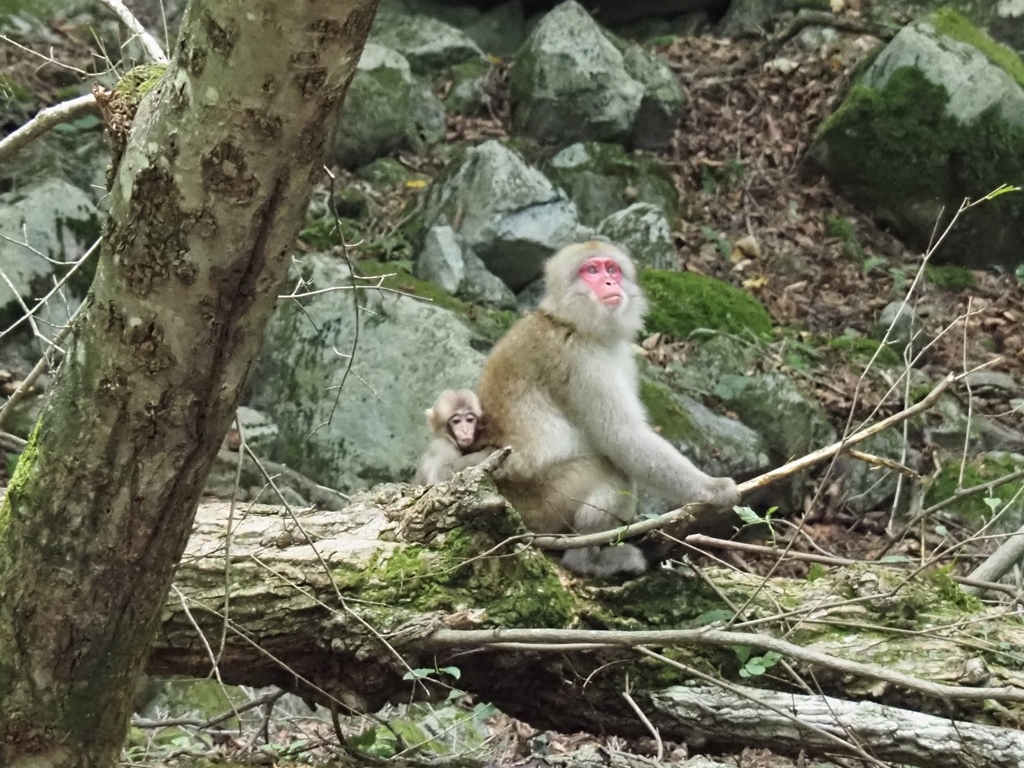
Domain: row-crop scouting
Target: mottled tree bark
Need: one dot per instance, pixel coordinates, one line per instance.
(204, 207)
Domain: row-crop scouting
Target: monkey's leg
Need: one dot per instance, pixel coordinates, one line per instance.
(608, 506)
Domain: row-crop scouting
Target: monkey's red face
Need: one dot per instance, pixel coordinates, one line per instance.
(604, 278)
(463, 429)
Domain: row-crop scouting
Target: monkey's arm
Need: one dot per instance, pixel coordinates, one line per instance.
(616, 423)
(469, 460)
(435, 464)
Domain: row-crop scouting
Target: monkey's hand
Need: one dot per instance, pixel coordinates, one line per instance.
(722, 492)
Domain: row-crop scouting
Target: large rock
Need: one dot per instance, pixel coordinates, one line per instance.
(386, 109)
(52, 221)
(792, 424)
(448, 263)
(645, 233)
(572, 80)
(499, 30)
(937, 117)
(373, 429)
(603, 178)
(717, 444)
(430, 45)
(507, 212)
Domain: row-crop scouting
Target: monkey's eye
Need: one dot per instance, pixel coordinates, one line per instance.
(470, 419)
(592, 269)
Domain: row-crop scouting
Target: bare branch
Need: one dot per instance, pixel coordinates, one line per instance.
(156, 53)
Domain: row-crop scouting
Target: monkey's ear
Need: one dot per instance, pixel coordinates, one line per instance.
(431, 419)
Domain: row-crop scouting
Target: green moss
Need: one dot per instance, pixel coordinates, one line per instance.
(876, 127)
(681, 302)
(973, 509)
(611, 179)
(20, 478)
(897, 152)
(322, 234)
(522, 590)
(841, 227)
(948, 22)
(139, 81)
(865, 348)
(665, 412)
(950, 591)
(400, 279)
(950, 277)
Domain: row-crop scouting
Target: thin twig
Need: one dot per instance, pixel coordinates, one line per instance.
(156, 53)
(881, 461)
(480, 638)
(647, 724)
(191, 722)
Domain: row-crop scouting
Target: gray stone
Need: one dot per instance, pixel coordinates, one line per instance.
(377, 118)
(868, 487)
(898, 326)
(430, 45)
(482, 286)
(569, 82)
(716, 444)
(936, 117)
(51, 221)
(529, 298)
(791, 422)
(507, 212)
(428, 114)
(975, 85)
(441, 261)
(499, 30)
(663, 100)
(468, 95)
(996, 382)
(603, 178)
(373, 430)
(947, 426)
(258, 428)
(645, 233)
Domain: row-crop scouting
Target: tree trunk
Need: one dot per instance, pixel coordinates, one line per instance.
(204, 207)
(338, 606)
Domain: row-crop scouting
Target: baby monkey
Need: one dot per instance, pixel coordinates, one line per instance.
(456, 421)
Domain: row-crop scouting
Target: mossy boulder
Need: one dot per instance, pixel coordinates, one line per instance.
(974, 511)
(681, 302)
(574, 81)
(717, 444)
(378, 114)
(604, 178)
(936, 118)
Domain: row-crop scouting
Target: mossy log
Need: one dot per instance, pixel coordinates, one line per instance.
(341, 605)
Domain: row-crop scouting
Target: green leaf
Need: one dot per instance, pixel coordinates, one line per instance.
(749, 516)
(816, 571)
(710, 617)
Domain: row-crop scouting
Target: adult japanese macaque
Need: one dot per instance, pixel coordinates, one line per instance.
(561, 390)
(456, 423)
